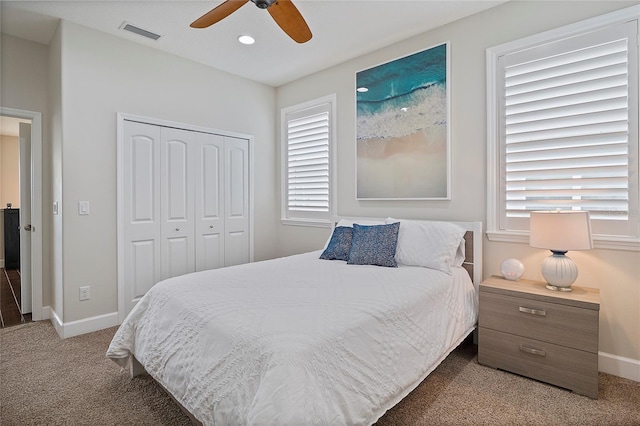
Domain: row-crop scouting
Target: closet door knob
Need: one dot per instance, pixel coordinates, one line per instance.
(177, 229)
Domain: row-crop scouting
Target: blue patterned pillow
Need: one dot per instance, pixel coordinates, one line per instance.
(374, 245)
(339, 245)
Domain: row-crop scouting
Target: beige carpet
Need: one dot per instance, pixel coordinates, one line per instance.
(45, 380)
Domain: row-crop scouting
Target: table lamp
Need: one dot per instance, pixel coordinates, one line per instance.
(560, 231)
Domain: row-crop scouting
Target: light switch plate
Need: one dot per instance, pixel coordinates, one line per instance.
(83, 207)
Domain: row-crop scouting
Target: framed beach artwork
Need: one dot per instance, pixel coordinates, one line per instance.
(402, 128)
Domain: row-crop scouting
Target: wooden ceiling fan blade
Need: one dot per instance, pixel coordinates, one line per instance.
(290, 20)
(218, 13)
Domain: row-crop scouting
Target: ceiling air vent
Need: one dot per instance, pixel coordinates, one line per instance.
(137, 30)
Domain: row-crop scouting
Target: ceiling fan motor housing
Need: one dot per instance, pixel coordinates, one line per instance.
(263, 4)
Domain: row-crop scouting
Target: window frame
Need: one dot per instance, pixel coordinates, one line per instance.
(288, 217)
(495, 176)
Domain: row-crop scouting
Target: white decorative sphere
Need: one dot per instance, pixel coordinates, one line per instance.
(512, 269)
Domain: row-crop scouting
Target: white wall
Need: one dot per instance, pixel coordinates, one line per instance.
(102, 75)
(615, 273)
(9, 171)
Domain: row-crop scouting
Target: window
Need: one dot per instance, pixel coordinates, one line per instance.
(307, 152)
(563, 129)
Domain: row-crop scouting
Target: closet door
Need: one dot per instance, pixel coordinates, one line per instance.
(209, 201)
(141, 210)
(236, 189)
(185, 205)
(177, 196)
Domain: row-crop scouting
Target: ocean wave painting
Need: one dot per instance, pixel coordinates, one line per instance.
(401, 127)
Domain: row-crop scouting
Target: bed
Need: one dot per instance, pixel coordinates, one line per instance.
(310, 340)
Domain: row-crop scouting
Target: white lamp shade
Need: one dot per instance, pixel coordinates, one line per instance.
(560, 230)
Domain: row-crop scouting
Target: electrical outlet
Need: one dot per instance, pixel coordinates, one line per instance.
(85, 293)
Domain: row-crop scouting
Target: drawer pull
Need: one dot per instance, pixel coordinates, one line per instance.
(533, 351)
(532, 311)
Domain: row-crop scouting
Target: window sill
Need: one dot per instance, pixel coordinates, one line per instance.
(607, 242)
(307, 222)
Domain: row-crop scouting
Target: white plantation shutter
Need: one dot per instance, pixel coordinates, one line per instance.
(567, 129)
(567, 132)
(307, 180)
(308, 163)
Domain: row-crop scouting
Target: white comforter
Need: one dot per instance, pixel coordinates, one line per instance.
(296, 340)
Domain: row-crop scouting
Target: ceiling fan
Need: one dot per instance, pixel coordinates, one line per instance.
(283, 12)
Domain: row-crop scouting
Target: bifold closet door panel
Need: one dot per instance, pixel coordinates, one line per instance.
(141, 210)
(177, 157)
(237, 211)
(209, 201)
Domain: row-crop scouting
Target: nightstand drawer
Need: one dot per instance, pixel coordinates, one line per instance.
(549, 322)
(561, 366)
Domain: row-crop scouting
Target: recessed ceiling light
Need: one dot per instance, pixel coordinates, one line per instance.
(246, 39)
(362, 89)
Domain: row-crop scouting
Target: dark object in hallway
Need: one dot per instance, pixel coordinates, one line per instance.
(12, 238)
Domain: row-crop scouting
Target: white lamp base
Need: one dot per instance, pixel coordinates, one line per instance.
(559, 271)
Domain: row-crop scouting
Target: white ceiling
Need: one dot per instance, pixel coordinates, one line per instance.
(341, 29)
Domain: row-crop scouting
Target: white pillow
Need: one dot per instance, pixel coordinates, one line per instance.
(365, 222)
(458, 260)
(431, 244)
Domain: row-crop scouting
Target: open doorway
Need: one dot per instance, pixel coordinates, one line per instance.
(15, 189)
(20, 216)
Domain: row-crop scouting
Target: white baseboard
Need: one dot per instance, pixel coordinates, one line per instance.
(619, 366)
(87, 325)
(1, 263)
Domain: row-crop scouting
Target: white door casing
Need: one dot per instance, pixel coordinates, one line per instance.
(39, 312)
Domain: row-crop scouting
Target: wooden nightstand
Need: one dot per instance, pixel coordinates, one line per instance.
(542, 334)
